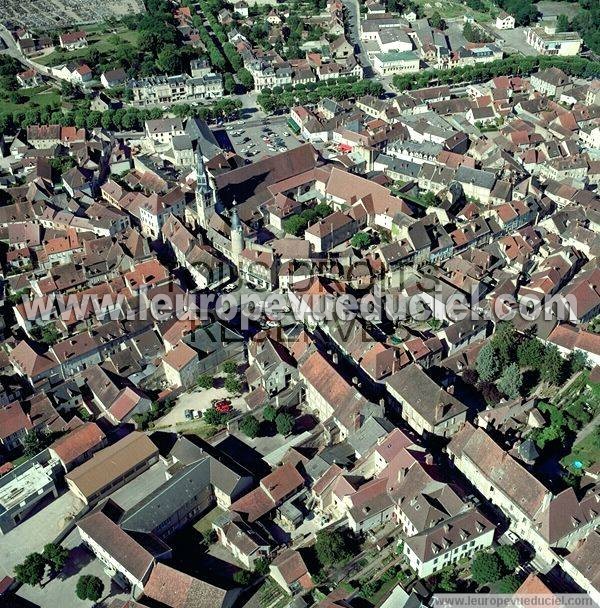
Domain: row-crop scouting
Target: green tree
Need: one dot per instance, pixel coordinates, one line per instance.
(553, 366)
(243, 577)
(562, 24)
(230, 367)
(511, 381)
(485, 568)
(284, 423)
(447, 581)
(508, 584)
(233, 384)
(509, 557)
(56, 556)
(487, 363)
(360, 240)
(31, 571)
(246, 78)
(261, 566)
(530, 353)
(250, 426)
(229, 84)
(34, 443)
(213, 417)
(206, 381)
(89, 587)
(437, 22)
(269, 413)
(332, 548)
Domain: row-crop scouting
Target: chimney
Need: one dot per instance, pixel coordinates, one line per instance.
(429, 459)
(450, 389)
(334, 358)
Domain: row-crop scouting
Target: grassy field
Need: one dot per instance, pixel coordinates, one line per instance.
(586, 451)
(44, 96)
(105, 43)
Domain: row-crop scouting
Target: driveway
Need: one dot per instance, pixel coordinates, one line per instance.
(32, 534)
(60, 591)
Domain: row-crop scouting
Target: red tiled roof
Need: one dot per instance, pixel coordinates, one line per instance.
(78, 441)
(13, 419)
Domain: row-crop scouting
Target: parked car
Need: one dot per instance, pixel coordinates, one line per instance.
(223, 406)
(197, 414)
(189, 414)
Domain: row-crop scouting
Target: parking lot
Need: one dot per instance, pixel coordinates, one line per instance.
(257, 139)
(36, 531)
(60, 591)
(513, 41)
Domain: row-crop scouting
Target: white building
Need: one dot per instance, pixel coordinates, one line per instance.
(396, 63)
(166, 90)
(547, 41)
(504, 21)
(450, 541)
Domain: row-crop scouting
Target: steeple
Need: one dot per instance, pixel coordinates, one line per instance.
(204, 195)
(237, 235)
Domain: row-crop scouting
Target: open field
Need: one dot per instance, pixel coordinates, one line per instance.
(105, 43)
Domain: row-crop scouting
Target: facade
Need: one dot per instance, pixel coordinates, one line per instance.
(166, 90)
(444, 545)
(396, 62)
(504, 21)
(112, 467)
(546, 41)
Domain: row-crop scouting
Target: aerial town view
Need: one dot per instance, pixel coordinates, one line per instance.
(299, 303)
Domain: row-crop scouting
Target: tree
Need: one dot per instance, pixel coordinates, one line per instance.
(261, 566)
(56, 556)
(470, 376)
(485, 568)
(578, 360)
(31, 571)
(511, 381)
(447, 581)
(437, 22)
(230, 367)
(361, 240)
(233, 385)
(562, 24)
(229, 84)
(332, 548)
(246, 78)
(242, 577)
(487, 363)
(284, 423)
(509, 584)
(89, 587)
(530, 353)
(509, 557)
(250, 426)
(553, 366)
(213, 417)
(269, 413)
(206, 381)
(34, 443)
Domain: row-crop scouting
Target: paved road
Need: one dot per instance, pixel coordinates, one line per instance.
(353, 33)
(14, 51)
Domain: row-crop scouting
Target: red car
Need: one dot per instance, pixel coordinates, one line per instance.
(223, 406)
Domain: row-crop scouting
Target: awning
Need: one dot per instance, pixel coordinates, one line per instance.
(293, 125)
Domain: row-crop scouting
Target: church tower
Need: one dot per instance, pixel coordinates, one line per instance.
(204, 196)
(237, 236)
